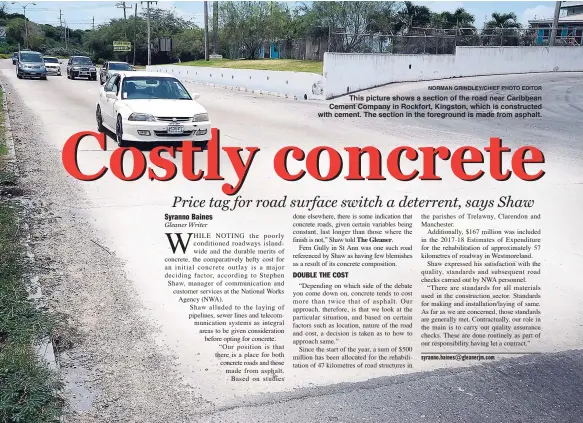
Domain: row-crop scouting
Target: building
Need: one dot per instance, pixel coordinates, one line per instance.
(570, 30)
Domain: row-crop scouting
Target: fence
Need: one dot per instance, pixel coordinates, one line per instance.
(444, 41)
(299, 49)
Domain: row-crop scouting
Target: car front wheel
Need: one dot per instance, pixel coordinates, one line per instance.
(119, 132)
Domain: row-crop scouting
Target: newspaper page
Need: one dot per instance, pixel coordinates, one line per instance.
(283, 212)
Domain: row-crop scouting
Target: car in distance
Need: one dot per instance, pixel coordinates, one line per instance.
(53, 65)
(142, 106)
(110, 68)
(14, 57)
(30, 64)
(81, 67)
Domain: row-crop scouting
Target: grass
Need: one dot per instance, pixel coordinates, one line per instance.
(313, 66)
(28, 387)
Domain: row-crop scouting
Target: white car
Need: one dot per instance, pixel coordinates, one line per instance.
(52, 65)
(150, 107)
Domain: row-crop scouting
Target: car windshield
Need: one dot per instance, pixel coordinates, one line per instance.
(50, 60)
(30, 57)
(119, 66)
(153, 88)
(82, 61)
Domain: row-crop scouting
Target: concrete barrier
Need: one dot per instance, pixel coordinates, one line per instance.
(347, 73)
(299, 85)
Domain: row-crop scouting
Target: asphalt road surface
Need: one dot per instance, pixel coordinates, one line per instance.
(140, 358)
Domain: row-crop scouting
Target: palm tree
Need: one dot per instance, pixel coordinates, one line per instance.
(461, 18)
(503, 20)
(504, 24)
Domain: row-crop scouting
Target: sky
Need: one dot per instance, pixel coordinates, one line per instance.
(82, 14)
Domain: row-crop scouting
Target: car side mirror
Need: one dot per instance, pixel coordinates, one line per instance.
(110, 94)
(196, 96)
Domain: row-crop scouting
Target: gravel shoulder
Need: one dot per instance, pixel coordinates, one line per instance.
(113, 368)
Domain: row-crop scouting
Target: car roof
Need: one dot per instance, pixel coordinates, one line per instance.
(49, 57)
(29, 51)
(146, 73)
(111, 61)
(74, 57)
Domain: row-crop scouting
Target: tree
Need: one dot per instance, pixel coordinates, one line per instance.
(413, 16)
(458, 19)
(17, 29)
(246, 25)
(189, 44)
(501, 29)
(349, 22)
(503, 20)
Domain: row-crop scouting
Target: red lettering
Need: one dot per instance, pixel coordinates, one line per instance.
(313, 163)
(519, 159)
(213, 172)
(496, 151)
(280, 163)
(69, 156)
(394, 163)
(241, 169)
(138, 165)
(355, 165)
(429, 165)
(165, 164)
(458, 161)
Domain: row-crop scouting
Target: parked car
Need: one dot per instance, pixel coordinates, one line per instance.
(111, 68)
(81, 67)
(53, 65)
(30, 64)
(151, 107)
(15, 58)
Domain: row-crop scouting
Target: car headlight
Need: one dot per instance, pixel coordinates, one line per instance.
(76, 68)
(144, 117)
(93, 69)
(201, 117)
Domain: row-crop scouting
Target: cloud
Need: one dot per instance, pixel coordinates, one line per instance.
(538, 12)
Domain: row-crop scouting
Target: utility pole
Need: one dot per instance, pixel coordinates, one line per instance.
(25, 22)
(93, 23)
(122, 5)
(149, 42)
(555, 26)
(66, 35)
(206, 31)
(135, 32)
(61, 23)
(216, 48)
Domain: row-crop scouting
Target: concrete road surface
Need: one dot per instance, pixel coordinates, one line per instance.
(140, 358)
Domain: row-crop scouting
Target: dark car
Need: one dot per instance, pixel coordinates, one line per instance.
(81, 67)
(31, 64)
(15, 58)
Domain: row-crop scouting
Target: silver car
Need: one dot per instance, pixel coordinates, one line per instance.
(53, 65)
(111, 68)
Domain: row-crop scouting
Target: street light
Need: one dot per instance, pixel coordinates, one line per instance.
(25, 23)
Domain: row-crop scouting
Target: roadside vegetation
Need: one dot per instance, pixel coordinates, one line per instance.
(314, 66)
(29, 389)
(253, 30)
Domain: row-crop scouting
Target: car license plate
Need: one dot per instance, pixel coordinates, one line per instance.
(175, 129)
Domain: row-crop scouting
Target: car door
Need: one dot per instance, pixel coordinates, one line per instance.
(104, 102)
(112, 85)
